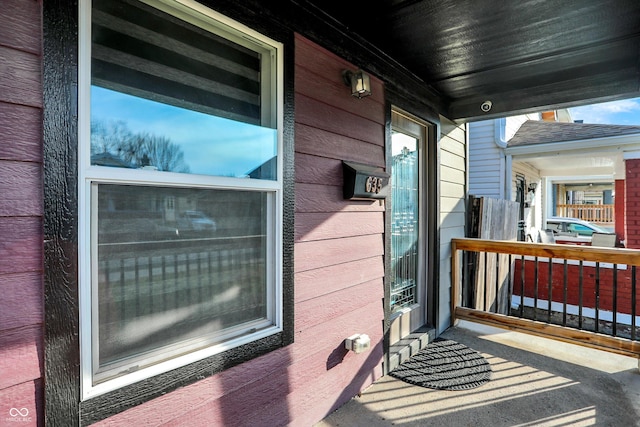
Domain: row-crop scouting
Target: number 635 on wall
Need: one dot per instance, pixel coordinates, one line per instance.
(373, 184)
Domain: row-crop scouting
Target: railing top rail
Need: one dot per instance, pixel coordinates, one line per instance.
(572, 252)
(581, 205)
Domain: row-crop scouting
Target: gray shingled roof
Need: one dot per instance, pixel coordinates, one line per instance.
(541, 132)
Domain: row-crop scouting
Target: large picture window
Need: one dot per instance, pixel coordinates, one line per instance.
(180, 188)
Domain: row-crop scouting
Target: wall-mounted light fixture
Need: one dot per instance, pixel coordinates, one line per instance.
(531, 194)
(358, 81)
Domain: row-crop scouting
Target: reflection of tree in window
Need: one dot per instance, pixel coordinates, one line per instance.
(113, 144)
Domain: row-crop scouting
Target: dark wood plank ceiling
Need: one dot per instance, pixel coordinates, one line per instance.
(523, 55)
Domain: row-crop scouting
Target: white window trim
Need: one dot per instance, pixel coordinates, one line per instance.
(88, 174)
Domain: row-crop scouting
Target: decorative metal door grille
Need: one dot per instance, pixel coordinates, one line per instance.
(404, 227)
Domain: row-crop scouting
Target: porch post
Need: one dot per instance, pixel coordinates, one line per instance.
(619, 208)
(632, 199)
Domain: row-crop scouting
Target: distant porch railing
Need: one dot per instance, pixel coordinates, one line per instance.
(584, 295)
(592, 213)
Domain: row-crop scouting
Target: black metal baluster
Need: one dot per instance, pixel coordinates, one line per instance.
(564, 299)
(580, 290)
(633, 302)
(535, 289)
(463, 278)
(522, 286)
(615, 300)
(509, 284)
(597, 325)
(497, 283)
(550, 289)
(484, 284)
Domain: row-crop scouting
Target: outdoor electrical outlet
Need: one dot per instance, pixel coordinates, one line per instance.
(358, 343)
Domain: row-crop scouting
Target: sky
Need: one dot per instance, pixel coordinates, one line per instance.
(625, 112)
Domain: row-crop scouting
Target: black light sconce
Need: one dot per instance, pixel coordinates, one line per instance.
(359, 82)
(531, 194)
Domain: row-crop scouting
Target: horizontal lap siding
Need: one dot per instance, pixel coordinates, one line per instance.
(296, 385)
(486, 160)
(29, 396)
(339, 247)
(339, 274)
(20, 133)
(327, 225)
(21, 210)
(453, 191)
(321, 281)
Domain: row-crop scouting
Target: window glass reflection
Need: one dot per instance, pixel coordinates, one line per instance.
(177, 265)
(132, 132)
(168, 95)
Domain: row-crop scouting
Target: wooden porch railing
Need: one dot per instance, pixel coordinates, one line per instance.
(592, 213)
(584, 295)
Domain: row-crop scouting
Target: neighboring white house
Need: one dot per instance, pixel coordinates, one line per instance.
(492, 172)
(522, 158)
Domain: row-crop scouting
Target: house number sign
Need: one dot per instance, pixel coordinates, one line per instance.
(373, 184)
(364, 182)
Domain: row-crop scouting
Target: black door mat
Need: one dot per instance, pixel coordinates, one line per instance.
(445, 365)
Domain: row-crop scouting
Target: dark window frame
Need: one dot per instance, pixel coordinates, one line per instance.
(60, 151)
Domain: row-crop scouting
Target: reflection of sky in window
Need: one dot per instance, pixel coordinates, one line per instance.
(211, 145)
(400, 141)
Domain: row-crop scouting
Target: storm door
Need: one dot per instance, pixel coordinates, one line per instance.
(408, 226)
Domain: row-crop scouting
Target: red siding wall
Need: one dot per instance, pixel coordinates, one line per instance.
(338, 274)
(21, 210)
(632, 203)
(604, 296)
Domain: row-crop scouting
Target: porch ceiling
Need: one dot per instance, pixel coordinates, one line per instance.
(521, 55)
(587, 166)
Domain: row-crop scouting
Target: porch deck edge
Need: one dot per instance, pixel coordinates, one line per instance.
(616, 345)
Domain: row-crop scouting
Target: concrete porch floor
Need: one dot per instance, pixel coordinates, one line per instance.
(535, 382)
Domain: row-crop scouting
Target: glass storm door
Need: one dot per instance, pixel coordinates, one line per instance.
(408, 290)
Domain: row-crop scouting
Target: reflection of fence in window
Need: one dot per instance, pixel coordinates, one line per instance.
(156, 294)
